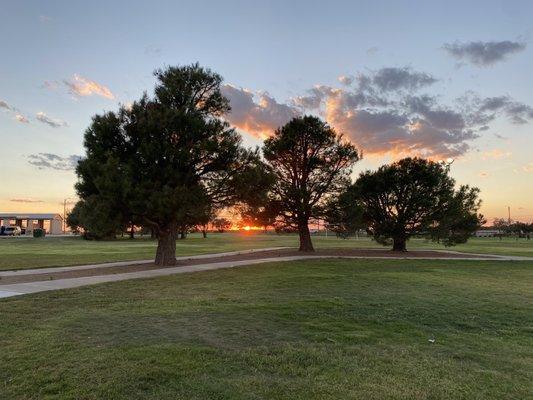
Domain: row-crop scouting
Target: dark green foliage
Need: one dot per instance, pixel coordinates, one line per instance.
(96, 218)
(166, 161)
(310, 162)
(344, 214)
(39, 233)
(415, 196)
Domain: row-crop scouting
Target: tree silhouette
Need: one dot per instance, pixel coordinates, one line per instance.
(310, 162)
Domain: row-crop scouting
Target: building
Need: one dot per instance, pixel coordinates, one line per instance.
(52, 223)
(488, 233)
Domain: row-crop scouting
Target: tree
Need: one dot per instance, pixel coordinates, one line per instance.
(95, 218)
(167, 158)
(221, 224)
(344, 214)
(310, 162)
(260, 215)
(415, 196)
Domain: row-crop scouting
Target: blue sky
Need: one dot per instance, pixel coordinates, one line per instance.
(275, 49)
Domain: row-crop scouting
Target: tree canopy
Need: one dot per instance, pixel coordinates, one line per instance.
(310, 162)
(415, 196)
(167, 159)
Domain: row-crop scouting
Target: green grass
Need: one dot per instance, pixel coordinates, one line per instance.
(18, 253)
(327, 329)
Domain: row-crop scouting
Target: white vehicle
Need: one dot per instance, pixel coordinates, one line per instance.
(12, 231)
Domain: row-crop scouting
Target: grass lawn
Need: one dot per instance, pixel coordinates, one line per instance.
(328, 329)
(18, 253)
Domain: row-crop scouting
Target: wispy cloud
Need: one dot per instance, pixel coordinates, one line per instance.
(54, 161)
(483, 54)
(4, 105)
(152, 50)
(45, 18)
(528, 167)
(22, 119)
(26, 201)
(80, 86)
(496, 154)
(346, 79)
(53, 122)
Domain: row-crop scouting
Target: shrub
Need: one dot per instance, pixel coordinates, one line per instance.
(38, 233)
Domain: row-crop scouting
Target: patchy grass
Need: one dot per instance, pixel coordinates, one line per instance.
(18, 253)
(327, 329)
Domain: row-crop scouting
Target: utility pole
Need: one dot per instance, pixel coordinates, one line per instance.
(509, 214)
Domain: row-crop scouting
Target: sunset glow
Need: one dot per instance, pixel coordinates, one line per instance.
(440, 98)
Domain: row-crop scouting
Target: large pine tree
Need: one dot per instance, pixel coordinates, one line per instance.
(166, 159)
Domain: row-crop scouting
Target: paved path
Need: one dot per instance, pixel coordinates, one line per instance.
(41, 286)
(37, 271)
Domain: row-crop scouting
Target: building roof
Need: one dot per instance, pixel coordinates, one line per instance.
(30, 216)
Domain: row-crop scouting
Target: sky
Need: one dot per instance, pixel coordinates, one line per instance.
(444, 80)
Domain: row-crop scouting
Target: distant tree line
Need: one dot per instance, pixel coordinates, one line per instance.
(170, 162)
(509, 228)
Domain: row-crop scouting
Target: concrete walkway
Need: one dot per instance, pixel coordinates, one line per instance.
(41, 286)
(37, 271)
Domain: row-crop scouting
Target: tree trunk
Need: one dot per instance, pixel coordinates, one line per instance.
(204, 233)
(305, 237)
(183, 235)
(132, 232)
(399, 244)
(166, 247)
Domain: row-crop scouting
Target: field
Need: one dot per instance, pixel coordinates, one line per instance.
(320, 329)
(329, 329)
(18, 253)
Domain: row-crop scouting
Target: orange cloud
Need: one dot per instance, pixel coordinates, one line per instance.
(257, 114)
(81, 86)
(528, 167)
(496, 154)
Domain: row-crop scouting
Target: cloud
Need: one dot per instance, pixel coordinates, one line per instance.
(528, 167)
(52, 85)
(81, 86)
(45, 18)
(489, 108)
(372, 50)
(382, 112)
(256, 113)
(391, 79)
(496, 154)
(483, 174)
(483, 54)
(22, 119)
(152, 50)
(54, 161)
(346, 79)
(45, 119)
(26, 201)
(14, 111)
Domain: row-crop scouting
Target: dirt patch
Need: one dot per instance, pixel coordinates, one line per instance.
(369, 253)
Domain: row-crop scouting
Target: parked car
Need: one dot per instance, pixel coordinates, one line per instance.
(12, 231)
